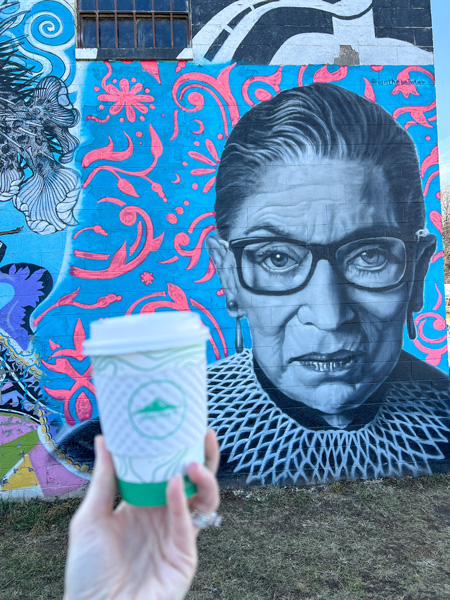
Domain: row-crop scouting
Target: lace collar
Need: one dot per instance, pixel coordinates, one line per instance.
(269, 447)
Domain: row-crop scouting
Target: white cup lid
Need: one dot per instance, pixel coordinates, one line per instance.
(145, 332)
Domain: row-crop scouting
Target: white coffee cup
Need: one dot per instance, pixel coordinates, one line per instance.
(150, 380)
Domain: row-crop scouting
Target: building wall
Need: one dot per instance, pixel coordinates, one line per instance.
(109, 214)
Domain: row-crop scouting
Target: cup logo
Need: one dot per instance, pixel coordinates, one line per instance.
(157, 409)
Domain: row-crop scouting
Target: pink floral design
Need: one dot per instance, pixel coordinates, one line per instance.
(211, 162)
(406, 87)
(127, 98)
(147, 278)
(64, 360)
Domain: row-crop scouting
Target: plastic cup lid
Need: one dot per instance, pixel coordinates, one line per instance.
(140, 333)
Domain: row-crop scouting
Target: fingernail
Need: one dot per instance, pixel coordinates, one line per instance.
(194, 467)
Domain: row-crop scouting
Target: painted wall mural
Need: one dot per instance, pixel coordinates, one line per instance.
(158, 182)
(312, 32)
(295, 208)
(38, 193)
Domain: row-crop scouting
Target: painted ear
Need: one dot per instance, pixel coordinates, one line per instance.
(425, 250)
(223, 260)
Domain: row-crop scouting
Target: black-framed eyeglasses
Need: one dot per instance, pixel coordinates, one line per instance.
(279, 266)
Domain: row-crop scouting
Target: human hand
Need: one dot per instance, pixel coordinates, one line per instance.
(137, 553)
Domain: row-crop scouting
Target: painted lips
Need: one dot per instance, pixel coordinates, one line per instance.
(325, 363)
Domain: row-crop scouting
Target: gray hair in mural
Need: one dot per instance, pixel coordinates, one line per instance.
(321, 245)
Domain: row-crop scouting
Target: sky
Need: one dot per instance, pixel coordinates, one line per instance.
(441, 19)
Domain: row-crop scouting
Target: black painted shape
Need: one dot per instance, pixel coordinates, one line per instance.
(398, 17)
(78, 443)
(204, 10)
(216, 46)
(277, 26)
(238, 18)
(424, 38)
(138, 53)
(406, 20)
(402, 4)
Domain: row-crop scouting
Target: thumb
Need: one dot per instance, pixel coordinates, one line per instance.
(99, 500)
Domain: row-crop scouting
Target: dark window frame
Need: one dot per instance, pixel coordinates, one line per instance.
(137, 53)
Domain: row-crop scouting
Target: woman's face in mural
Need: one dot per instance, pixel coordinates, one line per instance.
(337, 335)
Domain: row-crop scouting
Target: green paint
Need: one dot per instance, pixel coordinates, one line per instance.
(150, 494)
(12, 452)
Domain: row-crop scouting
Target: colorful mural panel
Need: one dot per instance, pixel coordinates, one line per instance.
(38, 193)
(149, 179)
(295, 208)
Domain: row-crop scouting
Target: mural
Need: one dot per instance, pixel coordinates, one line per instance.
(321, 245)
(150, 165)
(34, 134)
(312, 32)
(38, 194)
(295, 208)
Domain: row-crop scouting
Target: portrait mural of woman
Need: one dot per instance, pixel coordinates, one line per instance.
(302, 224)
(321, 245)
(318, 269)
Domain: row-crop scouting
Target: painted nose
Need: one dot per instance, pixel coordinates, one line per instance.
(324, 302)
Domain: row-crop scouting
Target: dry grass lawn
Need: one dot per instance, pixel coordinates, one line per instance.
(382, 540)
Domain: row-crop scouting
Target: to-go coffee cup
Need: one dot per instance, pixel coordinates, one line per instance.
(150, 380)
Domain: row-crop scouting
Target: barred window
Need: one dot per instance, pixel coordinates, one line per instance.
(134, 28)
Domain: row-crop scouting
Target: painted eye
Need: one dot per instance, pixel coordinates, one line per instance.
(370, 258)
(279, 260)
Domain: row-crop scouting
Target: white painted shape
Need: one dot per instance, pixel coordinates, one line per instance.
(307, 49)
(186, 54)
(86, 53)
(407, 54)
(22, 494)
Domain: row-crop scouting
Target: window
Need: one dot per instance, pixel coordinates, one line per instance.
(134, 28)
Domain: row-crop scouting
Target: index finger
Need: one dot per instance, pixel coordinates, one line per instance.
(212, 452)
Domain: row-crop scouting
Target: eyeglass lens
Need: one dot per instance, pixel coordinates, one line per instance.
(282, 266)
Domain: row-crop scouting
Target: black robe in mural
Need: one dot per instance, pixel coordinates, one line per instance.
(266, 438)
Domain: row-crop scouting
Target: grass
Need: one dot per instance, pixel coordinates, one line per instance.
(382, 540)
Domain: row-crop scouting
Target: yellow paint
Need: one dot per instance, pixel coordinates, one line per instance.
(24, 477)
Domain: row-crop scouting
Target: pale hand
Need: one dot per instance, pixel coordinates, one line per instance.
(136, 553)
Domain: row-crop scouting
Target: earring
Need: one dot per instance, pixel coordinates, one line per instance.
(411, 327)
(232, 306)
(238, 340)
